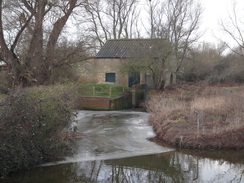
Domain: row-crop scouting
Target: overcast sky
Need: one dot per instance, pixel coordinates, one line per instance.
(214, 11)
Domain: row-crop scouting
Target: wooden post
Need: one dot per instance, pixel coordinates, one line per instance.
(110, 91)
(198, 120)
(133, 91)
(93, 90)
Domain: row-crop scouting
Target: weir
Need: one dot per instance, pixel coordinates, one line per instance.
(113, 135)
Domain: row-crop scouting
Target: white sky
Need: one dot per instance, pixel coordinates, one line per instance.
(214, 11)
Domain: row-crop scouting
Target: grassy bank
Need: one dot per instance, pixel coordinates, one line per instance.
(31, 125)
(199, 116)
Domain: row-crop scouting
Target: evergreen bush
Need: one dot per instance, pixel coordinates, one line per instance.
(31, 122)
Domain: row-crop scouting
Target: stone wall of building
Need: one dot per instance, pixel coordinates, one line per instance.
(94, 71)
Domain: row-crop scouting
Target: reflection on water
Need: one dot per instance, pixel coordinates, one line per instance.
(166, 167)
(115, 149)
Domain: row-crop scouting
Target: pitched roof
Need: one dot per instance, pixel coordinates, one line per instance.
(130, 48)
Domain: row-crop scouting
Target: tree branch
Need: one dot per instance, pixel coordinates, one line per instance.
(20, 32)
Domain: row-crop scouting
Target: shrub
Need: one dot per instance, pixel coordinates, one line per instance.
(31, 121)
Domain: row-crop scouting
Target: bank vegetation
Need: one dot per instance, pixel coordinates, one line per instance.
(199, 116)
(32, 122)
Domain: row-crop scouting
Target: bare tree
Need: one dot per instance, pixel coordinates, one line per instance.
(152, 9)
(233, 27)
(155, 61)
(202, 61)
(111, 19)
(178, 21)
(36, 60)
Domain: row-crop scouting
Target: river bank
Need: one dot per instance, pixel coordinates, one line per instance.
(199, 116)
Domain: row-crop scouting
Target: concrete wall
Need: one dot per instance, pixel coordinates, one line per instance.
(123, 102)
(95, 103)
(105, 103)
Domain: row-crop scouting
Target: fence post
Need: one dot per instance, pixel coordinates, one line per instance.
(198, 120)
(145, 94)
(133, 91)
(110, 91)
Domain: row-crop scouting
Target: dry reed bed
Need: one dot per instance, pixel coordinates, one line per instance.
(219, 110)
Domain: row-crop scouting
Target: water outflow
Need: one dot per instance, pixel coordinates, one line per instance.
(113, 135)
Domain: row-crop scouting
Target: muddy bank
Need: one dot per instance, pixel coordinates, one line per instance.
(219, 125)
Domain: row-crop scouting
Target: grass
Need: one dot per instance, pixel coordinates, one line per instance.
(233, 87)
(102, 90)
(211, 103)
(221, 116)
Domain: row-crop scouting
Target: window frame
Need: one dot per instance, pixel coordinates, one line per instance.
(110, 77)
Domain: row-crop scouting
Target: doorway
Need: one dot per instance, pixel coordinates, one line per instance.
(134, 78)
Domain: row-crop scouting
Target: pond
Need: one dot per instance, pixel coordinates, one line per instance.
(115, 148)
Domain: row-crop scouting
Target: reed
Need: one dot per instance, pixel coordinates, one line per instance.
(195, 112)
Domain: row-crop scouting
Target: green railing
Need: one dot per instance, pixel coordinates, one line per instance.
(102, 90)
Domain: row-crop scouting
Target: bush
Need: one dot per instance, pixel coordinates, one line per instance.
(31, 122)
(230, 69)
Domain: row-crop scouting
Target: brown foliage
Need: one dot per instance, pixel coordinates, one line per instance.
(221, 112)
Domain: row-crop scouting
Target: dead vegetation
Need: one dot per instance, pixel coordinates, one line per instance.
(175, 114)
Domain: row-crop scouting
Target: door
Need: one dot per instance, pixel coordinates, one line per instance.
(134, 78)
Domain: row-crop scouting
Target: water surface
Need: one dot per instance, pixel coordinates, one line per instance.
(116, 149)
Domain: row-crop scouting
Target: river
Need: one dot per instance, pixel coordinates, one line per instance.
(115, 148)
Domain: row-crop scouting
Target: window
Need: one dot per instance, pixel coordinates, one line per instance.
(110, 77)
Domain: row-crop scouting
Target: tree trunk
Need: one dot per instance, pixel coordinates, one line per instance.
(53, 38)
